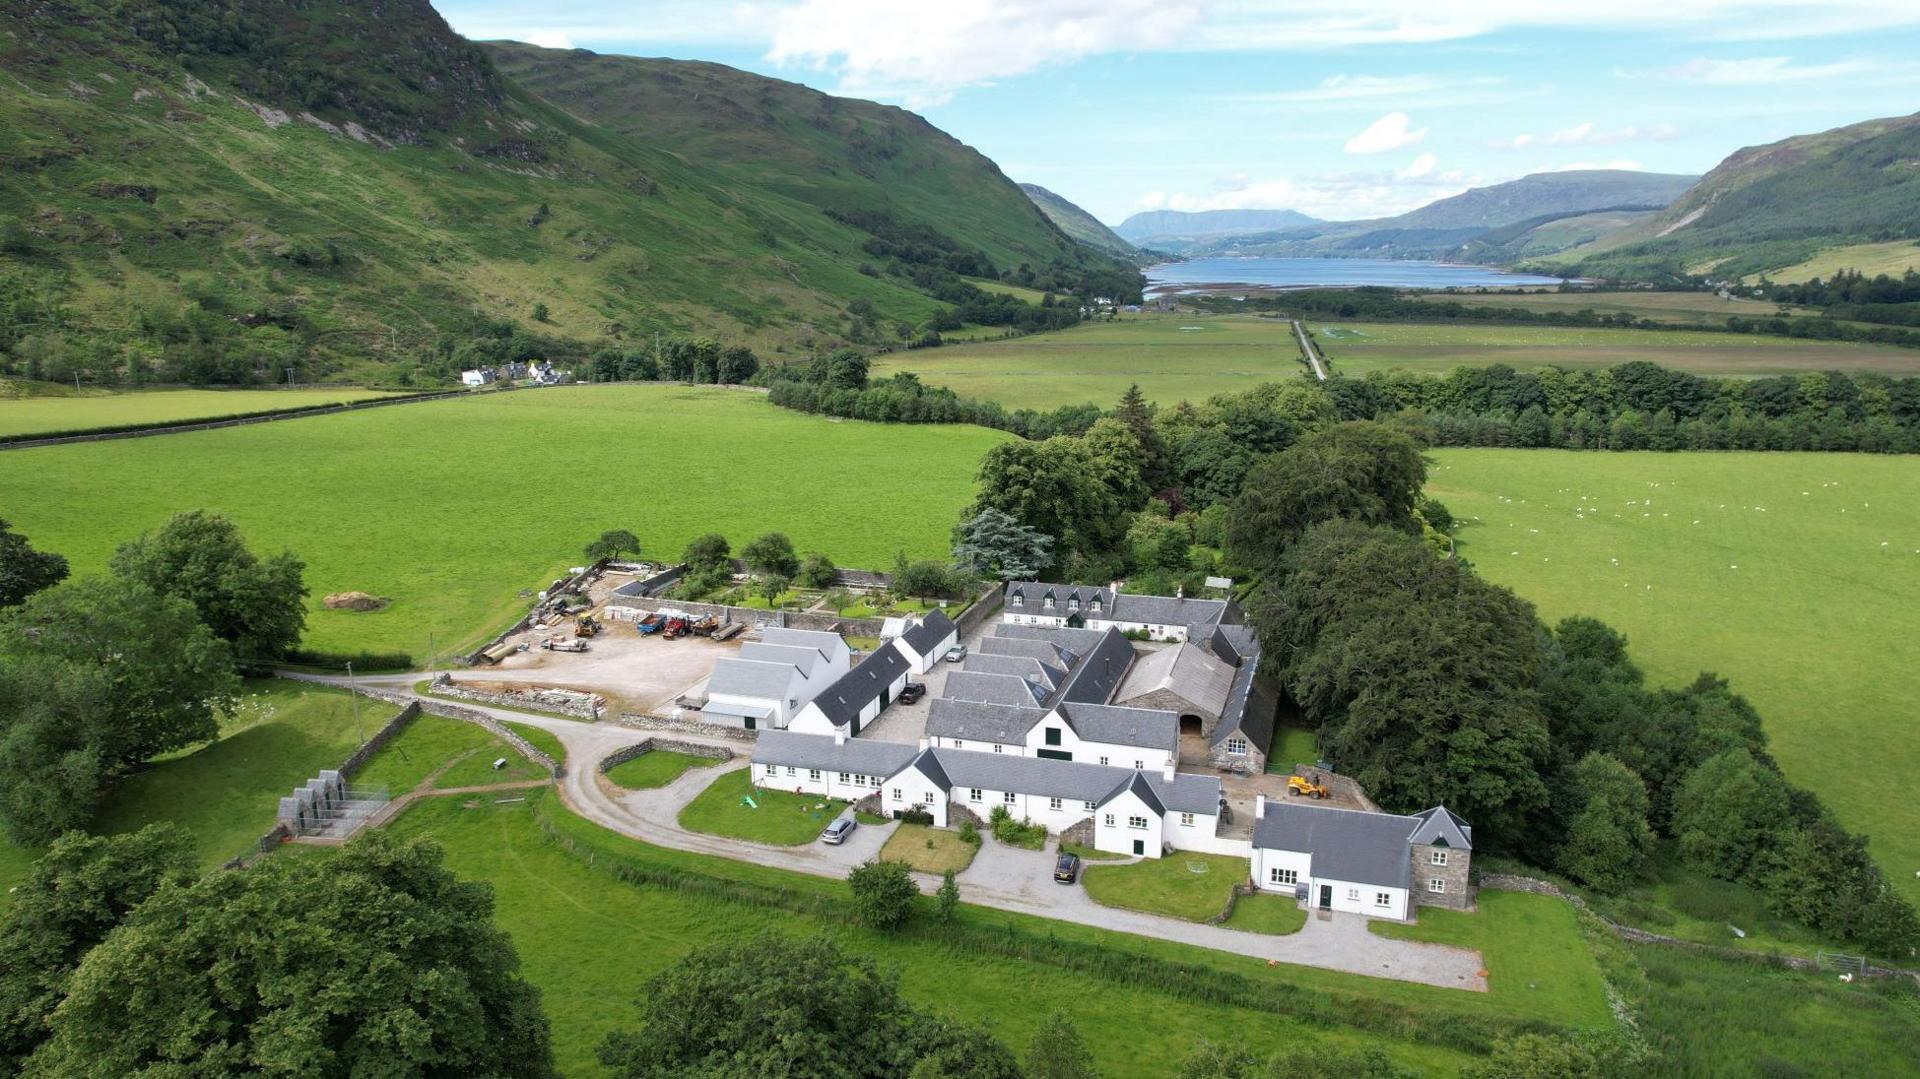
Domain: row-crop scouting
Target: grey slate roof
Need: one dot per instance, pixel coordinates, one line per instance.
(818, 639)
(1038, 776)
(1442, 827)
(1080, 641)
(1136, 784)
(975, 721)
(861, 756)
(807, 660)
(994, 689)
(1150, 728)
(1030, 597)
(1093, 679)
(1167, 610)
(1346, 844)
(924, 636)
(751, 678)
(1018, 666)
(1251, 706)
(1044, 651)
(1187, 793)
(1185, 670)
(861, 686)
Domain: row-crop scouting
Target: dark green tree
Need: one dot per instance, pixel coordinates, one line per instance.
(1368, 1062)
(773, 554)
(992, 542)
(612, 543)
(946, 901)
(817, 571)
(1607, 835)
(23, 570)
(1053, 488)
(77, 893)
(883, 893)
(771, 586)
(773, 1006)
(1212, 1060)
(1057, 1051)
(257, 607)
(1356, 471)
(923, 578)
(711, 551)
(1727, 812)
(377, 960)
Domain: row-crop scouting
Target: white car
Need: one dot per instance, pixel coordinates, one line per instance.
(957, 653)
(838, 831)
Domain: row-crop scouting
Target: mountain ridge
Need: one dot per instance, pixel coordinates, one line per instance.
(1150, 226)
(1078, 223)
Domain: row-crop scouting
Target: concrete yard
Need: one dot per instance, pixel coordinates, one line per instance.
(634, 673)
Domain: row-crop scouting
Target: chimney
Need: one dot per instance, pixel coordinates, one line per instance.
(1259, 806)
(839, 735)
(1167, 772)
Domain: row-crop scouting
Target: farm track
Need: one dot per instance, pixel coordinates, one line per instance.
(1309, 351)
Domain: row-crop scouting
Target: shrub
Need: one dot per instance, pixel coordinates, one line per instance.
(362, 661)
(1021, 833)
(916, 815)
(969, 834)
(947, 899)
(883, 894)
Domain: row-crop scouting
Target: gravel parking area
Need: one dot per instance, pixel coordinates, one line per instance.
(634, 673)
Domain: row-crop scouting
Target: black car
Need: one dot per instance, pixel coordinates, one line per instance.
(1067, 869)
(913, 692)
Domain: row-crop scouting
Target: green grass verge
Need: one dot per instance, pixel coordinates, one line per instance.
(780, 818)
(36, 414)
(544, 741)
(655, 769)
(349, 494)
(1522, 939)
(1088, 854)
(1265, 913)
(466, 750)
(1181, 885)
(1778, 571)
(930, 850)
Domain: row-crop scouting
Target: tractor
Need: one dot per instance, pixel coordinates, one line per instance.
(1303, 785)
(586, 625)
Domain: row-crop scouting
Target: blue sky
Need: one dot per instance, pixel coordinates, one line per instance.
(1359, 109)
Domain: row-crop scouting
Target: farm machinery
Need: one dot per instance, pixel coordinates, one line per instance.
(586, 626)
(1303, 785)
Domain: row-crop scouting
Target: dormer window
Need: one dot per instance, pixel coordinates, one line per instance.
(1047, 603)
(1019, 600)
(1094, 606)
(1073, 604)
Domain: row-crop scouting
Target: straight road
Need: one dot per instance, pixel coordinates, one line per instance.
(1308, 349)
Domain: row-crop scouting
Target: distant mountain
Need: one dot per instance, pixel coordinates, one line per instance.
(1775, 205)
(1154, 228)
(1543, 194)
(1076, 222)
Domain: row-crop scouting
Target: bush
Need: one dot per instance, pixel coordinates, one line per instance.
(916, 815)
(947, 899)
(883, 894)
(362, 661)
(1021, 833)
(969, 834)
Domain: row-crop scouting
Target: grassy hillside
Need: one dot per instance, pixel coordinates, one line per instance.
(221, 191)
(1076, 222)
(453, 508)
(1777, 571)
(1773, 206)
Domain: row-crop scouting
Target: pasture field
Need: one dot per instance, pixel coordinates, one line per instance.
(1355, 348)
(452, 508)
(1674, 308)
(1793, 575)
(1174, 358)
(35, 414)
(1007, 288)
(1521, 937)
(1893, 257)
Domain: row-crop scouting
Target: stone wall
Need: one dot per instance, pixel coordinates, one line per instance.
(1345, 786)
(235, 421)
(379, 740)
(754, 616)
(1252, 762)
(558, 702)
(959, 814)
(670, 745)
(479, 655)
(647, 721)
(985, 606)
(1080, 835)
(500, 730)
(1459, 893)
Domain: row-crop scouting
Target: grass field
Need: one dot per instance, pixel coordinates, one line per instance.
(462, 754)
(1675, 308)
(655, 769)
(780, 818)
(1187, 357)
(1265, 913)
(1522, 939)
(930, 850)
(1356, 348)
(1291, 746)
(589, 941)
(453, 508)
(1894, 257)
(35, 414)
(1795, 576)
(1183, 885)
(1030, 295)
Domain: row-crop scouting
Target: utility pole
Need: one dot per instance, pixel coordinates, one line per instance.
(353, 690)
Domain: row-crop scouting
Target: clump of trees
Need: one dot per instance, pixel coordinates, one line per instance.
(23, 570)
(257, 607)
(837, 384)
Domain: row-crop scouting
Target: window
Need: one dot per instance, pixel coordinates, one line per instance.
(1186, 820)
(1053, 803)
(1353, 895)
(1137, 822)
(1073, 604)
(1237, 746)
(813, 774)
(996, 747)
(897, 795)
(845, 778)
(1007, 797)
(1091, 806)
(1438, 857)
(1053, 736)
(1109, 820)
(1095, 605)
(1437, 885)
(1139, 764)
(792, 771)
(927, 798)
(1018, 600)
(973, 794)
(1382, 899)
(1103, 762)
(1047, 603)
(1276, 875)
(958, 744)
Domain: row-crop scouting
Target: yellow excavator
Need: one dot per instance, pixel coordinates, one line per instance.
(1303, 785)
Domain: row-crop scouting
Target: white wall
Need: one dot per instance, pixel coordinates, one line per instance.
(1118, 837)
(1154, 631)
(1033, 616)
(829, 784)
(974, 745)
(1203, 836)
(1351, 897)
(811, 720)
(923, 664)
(910, 789)
(1034, 807)
(1085, 752)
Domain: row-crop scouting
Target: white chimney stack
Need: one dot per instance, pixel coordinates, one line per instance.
(1259, 806)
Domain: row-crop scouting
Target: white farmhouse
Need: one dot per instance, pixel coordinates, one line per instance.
(856, 698)
(1377, 864)
(1076, 606)
(927, 639)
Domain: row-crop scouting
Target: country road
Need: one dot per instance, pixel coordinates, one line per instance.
(1308, 350)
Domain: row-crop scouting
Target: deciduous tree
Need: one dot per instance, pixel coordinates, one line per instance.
(710, 551)
(1359, 471)
(883, 893)
(1057, 1051)
(612, 543)
(773, 554)
(1607, 835)
(23, 570)
(257, 607)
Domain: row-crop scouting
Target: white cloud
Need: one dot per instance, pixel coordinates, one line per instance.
(1589, 134)
(1418, 167)
(1762, 70)
(1334, 196)
(549, 39)
(1390, 132)
(924, 53)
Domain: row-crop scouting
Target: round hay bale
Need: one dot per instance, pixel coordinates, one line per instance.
(353, 601)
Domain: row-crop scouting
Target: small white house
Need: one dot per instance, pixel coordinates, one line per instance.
(856, 698)
(479, 376)
(1361, 862)
(1160, 618)
(927, 640)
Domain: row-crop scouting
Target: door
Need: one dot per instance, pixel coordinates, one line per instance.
(1139, 846)
(1326, 897)
(750, 722)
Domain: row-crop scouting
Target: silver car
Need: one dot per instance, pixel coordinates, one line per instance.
(838, 831)
(957, 653)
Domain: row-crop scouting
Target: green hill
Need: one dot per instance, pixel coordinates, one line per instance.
(1773, 206)
(220, 191)
(1078, 223)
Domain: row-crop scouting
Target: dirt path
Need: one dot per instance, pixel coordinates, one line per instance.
(1309, 350)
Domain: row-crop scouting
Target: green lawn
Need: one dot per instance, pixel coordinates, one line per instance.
(1265, 913)
(1181, 885)
(589, 941)
(655, 769)
(1355, 348)
(1174, 358)
(1790, 574)
(428, 504)
(465, 750)
(1088, 854)
(930, 850)
(1291, 746)
(35, 414)
(781, 818)
(1523, 939)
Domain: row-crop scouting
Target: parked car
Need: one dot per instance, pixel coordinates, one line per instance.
(912, 692)
(1067, 869)
(957, 653)
(838, 831)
